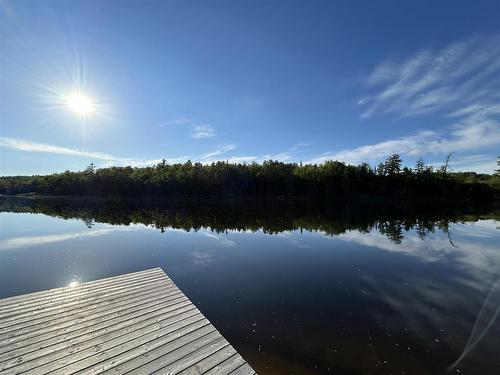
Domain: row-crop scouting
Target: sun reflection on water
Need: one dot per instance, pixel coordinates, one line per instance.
(74, 283)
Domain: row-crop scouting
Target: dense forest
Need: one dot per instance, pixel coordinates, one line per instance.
(329, 180)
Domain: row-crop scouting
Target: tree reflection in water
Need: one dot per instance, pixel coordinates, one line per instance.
(271, 216)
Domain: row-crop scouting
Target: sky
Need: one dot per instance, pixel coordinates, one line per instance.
(248, 80)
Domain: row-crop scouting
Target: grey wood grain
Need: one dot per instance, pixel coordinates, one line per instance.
(138, 323)
(64, 290)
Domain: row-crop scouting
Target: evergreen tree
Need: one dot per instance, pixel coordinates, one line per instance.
(392, 165)
(381, 169)
(420, 167)
(90, 169)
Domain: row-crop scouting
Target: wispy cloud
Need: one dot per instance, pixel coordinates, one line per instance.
(202, 132)
(457, 76)
(216, 154)
(475, 132)
(28, 146)
(202, 258)
(143, 162)
(296, 239)
(222, 153)
(105, 159)
(471, 268)
(17, 242)
(198, 130)
(460, 82)
(466, 252)
(290, 155)
(221, 238)
(480, 163)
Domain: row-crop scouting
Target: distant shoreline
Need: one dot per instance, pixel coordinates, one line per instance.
(383, 202)
(329, 181)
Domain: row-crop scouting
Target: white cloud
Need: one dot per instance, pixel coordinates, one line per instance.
(296, 239)
(202, 132)
(215, 155)
(28, 146)
(142, 162)
(206, 232)
(433, 81)
(198, 130)
(14, 243)
(459, 82)
(176, 122)
(480, 163)
(106, 160)
(289, 155)
(202, 258)
(473, 133)
(465, 254)
(221, 238)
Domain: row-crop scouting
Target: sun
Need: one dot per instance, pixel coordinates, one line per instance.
(80, 104)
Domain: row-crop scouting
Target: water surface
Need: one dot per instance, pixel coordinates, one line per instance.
(296, 287)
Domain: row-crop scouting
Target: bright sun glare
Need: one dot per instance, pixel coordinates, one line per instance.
(73, 284)
(80, 104)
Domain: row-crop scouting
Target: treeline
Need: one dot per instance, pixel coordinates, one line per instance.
(329, 180)
(392, 219)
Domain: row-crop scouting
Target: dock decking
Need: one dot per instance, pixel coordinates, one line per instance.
(138, 323)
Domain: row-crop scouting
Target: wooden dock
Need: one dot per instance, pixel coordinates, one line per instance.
(139, 323)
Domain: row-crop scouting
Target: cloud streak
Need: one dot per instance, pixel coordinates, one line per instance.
(290, 155)
(14, 243)
(459, 75)
(28, 146)
(477, 131)
(459, 83)
(215, 155)
(202, 132)
(105, 159)
(198, 130)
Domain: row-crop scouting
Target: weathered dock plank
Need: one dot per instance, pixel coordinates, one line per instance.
(139, 323)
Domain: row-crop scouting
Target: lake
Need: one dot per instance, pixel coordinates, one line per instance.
(296, 287)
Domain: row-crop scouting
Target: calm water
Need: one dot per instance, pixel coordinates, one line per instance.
(296, 288)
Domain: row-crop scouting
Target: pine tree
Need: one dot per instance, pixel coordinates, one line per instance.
(381, 169)
(392, 165)
(90, 169)
(420, 167)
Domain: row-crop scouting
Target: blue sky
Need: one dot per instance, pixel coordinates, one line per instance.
(248, 81)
